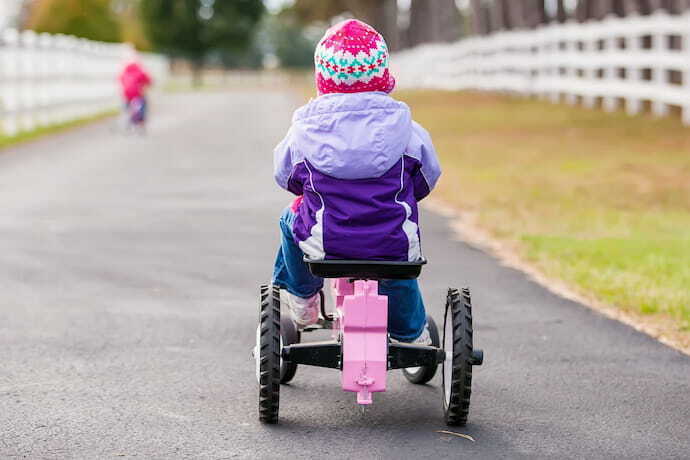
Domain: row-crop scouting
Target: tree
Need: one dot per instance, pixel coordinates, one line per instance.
(131, 28)
(92, 19)
(561, 13)
(534, 13)
(292, 43)
(480, 18)
(318, 10)
(584, 10)
(500, 19)
(516, 14)
(380, 14)
(447, 20)
(433, 21)
(193, 28)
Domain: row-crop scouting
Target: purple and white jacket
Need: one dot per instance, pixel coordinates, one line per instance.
(362, 165)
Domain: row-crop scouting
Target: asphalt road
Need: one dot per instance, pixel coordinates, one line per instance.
(129, 274)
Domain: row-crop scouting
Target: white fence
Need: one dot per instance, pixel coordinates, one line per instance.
(49, 79)
(620, 62)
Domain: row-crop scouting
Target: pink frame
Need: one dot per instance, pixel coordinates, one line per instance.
(362, 323)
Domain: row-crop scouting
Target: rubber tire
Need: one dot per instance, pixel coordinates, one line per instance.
(459, 311)
(269, 353)
(424, 374)
(290, 335)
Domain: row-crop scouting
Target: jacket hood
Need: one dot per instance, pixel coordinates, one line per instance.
(353, 135)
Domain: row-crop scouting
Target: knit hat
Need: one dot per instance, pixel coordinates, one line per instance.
(352, 57)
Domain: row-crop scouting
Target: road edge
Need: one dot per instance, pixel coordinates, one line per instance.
(25, 137)
(464, 227)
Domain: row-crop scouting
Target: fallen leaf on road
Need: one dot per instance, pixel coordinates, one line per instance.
(459, 435)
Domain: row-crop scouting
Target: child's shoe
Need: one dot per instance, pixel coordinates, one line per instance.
(304, 312)
(424, 338)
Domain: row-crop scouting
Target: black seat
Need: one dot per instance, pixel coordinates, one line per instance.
(365, 269)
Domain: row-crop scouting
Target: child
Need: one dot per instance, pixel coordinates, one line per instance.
(359, 165)
(134, 80)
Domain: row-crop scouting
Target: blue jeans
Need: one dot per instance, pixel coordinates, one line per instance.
(406, 315)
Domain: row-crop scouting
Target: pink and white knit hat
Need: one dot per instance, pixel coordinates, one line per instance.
(352, 57)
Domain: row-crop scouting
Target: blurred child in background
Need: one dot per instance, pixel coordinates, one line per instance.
(134, 80)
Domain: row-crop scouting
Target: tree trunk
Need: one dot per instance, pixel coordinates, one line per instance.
(561, 13)
(602, 8)
(479, 23)
(585, 10)
(516, 13)
(447, 18)
(433, 21)
(197, 72)
(534, 13)
(618, 8)
(418, 30)
(654, 5)
(678, 6)
(630, 7)
(499, 15)
(381, 15)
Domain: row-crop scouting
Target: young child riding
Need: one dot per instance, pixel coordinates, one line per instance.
(359, 165)
(134, 80)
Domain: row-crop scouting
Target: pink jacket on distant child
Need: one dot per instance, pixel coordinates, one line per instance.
(134, 81)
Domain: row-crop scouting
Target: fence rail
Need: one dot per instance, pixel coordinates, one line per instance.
(48, 79)
(619, 62)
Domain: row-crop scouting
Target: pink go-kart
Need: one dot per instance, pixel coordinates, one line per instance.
(360, 345)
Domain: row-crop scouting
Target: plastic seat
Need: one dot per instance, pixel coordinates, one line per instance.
(365, 269)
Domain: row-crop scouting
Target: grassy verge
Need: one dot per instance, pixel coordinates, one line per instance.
(6, 141)
(600, 201)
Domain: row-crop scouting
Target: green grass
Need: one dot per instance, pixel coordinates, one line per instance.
(6, 141)
(601, 201)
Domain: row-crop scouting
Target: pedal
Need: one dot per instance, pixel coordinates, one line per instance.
(323, 324)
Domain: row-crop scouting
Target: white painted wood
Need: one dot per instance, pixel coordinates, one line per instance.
(48, 79)
(561, 61)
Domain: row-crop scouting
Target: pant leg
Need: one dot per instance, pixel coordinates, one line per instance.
(290, 272)
(406, 314)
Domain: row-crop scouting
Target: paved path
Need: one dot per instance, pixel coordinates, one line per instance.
(129, 274)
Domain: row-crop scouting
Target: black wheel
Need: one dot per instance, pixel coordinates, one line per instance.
(268, 364)
(289, 335)
(423, 374)
(457, 367)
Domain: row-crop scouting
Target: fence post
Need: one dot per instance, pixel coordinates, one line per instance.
(633, 104)
(610, 103)
(10, 78)
(547, 72)
(589, 45)
(570, 72)
(29, 81)
(45, 57)
(659, 76)
(686, 70)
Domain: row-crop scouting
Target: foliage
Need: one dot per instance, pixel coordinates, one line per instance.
(93, 19)
(291, 43)
(319, 10)
(191, 29)
(131, 27)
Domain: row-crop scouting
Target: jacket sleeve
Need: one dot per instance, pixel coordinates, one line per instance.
(283, 167)
(430, 170)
